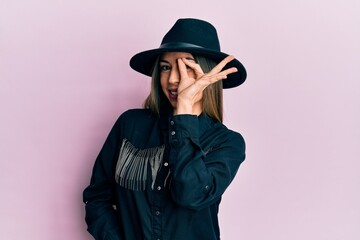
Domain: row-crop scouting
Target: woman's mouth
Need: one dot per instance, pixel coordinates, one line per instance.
(173, 93)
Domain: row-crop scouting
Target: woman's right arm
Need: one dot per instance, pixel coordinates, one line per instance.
(99, 196)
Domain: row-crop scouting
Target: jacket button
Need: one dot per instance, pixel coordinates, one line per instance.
(173, 133)
(157, 213)
(172, 122)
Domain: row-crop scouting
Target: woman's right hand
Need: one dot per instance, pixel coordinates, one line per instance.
(190, 90)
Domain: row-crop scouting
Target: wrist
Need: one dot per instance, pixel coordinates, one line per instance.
(183, 108)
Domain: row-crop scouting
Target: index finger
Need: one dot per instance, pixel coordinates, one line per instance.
(182, 69)
(194, 66)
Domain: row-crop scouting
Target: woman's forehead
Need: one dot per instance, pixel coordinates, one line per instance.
(170, 56)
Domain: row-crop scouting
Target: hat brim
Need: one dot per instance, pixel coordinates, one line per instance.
(143, 62)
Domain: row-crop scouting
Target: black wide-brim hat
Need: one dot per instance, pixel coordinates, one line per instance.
(193, 36)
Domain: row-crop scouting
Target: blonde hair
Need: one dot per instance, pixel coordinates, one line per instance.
(212, 103)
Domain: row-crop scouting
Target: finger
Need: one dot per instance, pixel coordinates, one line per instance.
(182, 69)
(185, 79)
(221, 64)
(207, 80)
(194, 66)
(228, 71)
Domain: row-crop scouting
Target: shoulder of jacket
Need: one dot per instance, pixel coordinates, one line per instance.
(136, 117)
(227, 134)
(136, 113)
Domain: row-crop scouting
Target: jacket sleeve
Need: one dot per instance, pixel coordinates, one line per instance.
(99, 196)
(200, 176)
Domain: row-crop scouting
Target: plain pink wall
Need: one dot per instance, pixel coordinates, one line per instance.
(64, 79)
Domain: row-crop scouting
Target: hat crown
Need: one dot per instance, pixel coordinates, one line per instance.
(193, 31)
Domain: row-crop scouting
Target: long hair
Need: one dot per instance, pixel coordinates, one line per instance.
(212, 101)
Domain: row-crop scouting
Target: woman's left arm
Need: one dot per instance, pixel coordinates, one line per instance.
(200, 176)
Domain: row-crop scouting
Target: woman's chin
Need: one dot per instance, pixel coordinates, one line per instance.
(173, 102)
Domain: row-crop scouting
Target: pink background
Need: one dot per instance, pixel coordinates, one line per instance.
(64, 79)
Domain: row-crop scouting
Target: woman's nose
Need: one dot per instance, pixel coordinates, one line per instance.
(174, 76)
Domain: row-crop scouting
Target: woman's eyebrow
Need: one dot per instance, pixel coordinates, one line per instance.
(164, 61)
(190, 58)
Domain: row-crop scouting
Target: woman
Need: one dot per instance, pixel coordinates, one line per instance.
(163, 169)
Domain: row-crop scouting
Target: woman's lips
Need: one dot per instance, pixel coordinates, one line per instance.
(173, 93)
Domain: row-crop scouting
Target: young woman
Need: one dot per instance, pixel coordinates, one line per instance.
(162, 170)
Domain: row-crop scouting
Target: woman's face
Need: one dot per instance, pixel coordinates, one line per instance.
(170, 76)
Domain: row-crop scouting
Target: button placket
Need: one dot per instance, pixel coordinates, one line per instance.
(157, 201)
(172, 131)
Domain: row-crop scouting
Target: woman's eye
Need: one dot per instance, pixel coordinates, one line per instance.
(164, 68)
